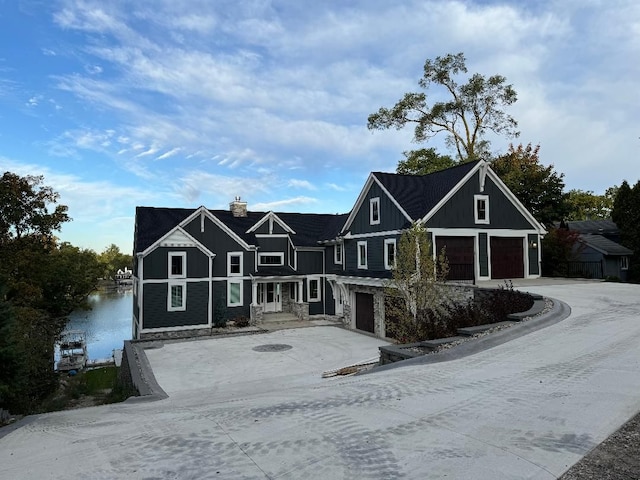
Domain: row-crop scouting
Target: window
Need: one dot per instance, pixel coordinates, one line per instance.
(234, 264)
(374, 211)
(234, 294)
(313, 290)
(176, 299)
(624, 263)
(337, 253)
(389, 253)
(177, 264)
(362, 254)
(266, 259)
(481, 209)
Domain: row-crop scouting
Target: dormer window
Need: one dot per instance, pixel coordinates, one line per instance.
(481, 209)
(374, 211)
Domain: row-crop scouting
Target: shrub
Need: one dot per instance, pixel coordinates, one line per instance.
(241, 321)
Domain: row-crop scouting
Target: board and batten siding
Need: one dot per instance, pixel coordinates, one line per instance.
(390, 217)
(458, 211)
(156, 263)
(154, 304)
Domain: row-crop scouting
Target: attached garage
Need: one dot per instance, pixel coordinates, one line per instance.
(460, 255)
(364, 312)
(507, 257)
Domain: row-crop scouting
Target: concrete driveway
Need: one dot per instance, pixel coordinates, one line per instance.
(529, 408)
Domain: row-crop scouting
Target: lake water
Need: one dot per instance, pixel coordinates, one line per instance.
(107, 324)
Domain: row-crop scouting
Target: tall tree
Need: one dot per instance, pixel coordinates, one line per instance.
(423, 162)
(539, 188)
(474, 108)
(626, 214)
(112, 260)
(586, 205)
(44, 283)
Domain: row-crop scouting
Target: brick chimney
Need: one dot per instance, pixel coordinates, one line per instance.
(238, 208)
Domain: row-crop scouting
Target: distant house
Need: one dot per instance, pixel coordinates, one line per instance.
(193, 265)
(600, 254)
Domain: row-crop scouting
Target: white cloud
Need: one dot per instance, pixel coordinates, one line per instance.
(295, 183)
(287, 204)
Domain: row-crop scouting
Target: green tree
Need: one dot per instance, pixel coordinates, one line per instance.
(626, 215)
(559, 247)
(539, 188)
(474, 109)
(112, 260)
(423, 162)
(586, 205)
(417, 292)
(43, 283)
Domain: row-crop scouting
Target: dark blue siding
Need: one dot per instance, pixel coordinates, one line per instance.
(534, 266)
(458, 212)
(483, 254)
(156, 263)
(390, 217)
(155, 306)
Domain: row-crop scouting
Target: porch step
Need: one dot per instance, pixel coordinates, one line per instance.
(279, 317)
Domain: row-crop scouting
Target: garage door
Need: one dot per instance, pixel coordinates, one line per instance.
(507, 257)
(364, 312)
(459, 251)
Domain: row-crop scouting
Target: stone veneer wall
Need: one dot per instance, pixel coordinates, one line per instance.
(300, 310)
(193, 332)
(378, 308)
(257, 315)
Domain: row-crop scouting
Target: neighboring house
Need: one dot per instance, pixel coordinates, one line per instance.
(194, 265)
(600, 254)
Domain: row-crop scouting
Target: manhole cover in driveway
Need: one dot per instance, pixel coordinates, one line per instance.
(272, 347)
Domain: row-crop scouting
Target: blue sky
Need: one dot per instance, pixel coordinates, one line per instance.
(192, 102)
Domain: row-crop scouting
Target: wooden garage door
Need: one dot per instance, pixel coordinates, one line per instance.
(459, 252)
(364, 312)
(507, 257)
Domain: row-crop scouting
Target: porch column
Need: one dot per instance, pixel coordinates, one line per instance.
(254, 292)
(300, 291)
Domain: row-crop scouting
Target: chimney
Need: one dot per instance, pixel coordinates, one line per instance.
(238, 208)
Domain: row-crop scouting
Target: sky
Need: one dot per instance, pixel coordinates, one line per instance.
(185, 103)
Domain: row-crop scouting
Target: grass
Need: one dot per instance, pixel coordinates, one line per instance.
(91, 387)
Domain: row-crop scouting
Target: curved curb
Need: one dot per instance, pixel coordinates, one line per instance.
(142, 375)
(558, 312)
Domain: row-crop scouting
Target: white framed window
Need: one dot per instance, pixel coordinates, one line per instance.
(624, 263)
(234, 264)
(374, 211)
(313, 289)
(271, 259)
(389, 253)
(177, 265)
(481, 208)
(177, 297)
(362, 254)
(337, 253)
(234, 294)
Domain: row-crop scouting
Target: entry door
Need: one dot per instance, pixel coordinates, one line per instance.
(272, 297)
(364, 312)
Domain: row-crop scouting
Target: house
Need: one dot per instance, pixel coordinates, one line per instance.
(600, 254)
(193, 266)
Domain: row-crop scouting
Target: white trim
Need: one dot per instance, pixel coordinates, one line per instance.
(183, 287)
(163, 241)
(362, 281)
(476, 211)
(271, 217)
(235, 254)
(349, 236)
(218, 223)
(363, 194)
(387, 242)
(317, 298)
(361, 265)
(337, 259)
(172, 329)
(271, 254)
(292, 262)
(183, 265)
(235, 282)
(374, 207)
(271, 235)
(450, 194)
(195, 280)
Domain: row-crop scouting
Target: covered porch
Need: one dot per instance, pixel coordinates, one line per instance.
(278, 296)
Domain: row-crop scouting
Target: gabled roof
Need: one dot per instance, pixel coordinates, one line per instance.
(153, 223)
(274, 217)
(418, 194)
(604, 245)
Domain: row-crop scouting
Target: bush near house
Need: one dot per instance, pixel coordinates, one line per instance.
(490, 308)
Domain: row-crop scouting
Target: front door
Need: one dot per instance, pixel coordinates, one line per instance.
(271, 297)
